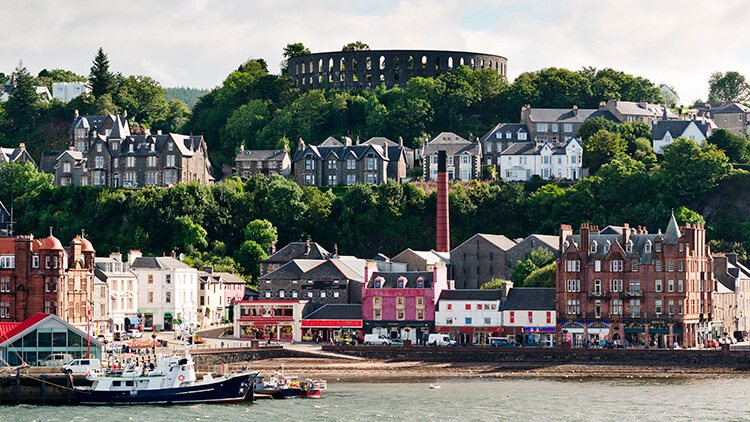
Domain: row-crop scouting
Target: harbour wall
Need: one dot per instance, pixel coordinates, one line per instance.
(555, 356)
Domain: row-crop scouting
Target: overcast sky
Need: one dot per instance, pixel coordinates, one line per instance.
(196, 43)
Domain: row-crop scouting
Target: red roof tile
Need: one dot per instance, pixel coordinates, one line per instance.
(20, 326)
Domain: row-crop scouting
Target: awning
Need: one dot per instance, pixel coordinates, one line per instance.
(131, 320)
(167, 315)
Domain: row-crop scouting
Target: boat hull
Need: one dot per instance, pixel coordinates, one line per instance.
(279, 393)
(223, 390)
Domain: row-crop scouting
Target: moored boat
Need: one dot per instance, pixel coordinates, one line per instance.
(282, 386)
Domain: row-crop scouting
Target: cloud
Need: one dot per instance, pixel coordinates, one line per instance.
(198, 42)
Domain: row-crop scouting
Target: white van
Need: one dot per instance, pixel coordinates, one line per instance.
(377, 339)
(56, 359)
(81, 366)
(440, 340)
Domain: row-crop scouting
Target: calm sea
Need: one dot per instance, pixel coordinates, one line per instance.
(570, 399)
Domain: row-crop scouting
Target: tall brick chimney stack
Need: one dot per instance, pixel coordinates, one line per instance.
(443, 227)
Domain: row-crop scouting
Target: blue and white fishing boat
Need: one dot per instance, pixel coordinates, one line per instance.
(171, 381)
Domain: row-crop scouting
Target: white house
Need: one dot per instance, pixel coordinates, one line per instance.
(464, 157)
(561, 160)
(469, 316)
(123, 289)
(216, 293)
(167, 291)
(66, 91)
(663, 132)
(529, 314)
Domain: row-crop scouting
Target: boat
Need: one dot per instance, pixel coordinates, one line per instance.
(171, 381)
(282, 386)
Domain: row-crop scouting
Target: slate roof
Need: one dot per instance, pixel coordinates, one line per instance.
(49, 160)
(378, 140)
(549, 240)
(568, 115)
(331, 142)
(530, 148)
(292, 270)
(530, 299)
(630, 108)
(10, 155)
(298, 250)
(220, 277)
(430, 257)
(676, 127)
(98, 122)
(732, 108)
(604, 242)
(498, 240)
(337, 311)
(452, 144)
(503, 129)
(340, 152)
(472, 294)
(158, 263)
(187, 145)
(331, 269)
(261, 155)
(390, 279)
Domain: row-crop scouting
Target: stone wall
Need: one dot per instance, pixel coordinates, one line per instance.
(369, 69)
(555, 356)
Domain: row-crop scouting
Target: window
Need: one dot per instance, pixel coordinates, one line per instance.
(488, 321)
(370, 179)
(150, 297)
(371, 164)
(597, 265)
(617, 307)
(169, 278)
(323, 293)
(168, 297)
(680, 265)
(467, 320)
(336, 293)
(657, 265)
(531, 317)
(400, 284)
(295, 293)
(567, 127)
(521, 136)
(400, 314)
(554, 127)
(541, 127)
(573, 307)
(332, 164)
(351, 179)
(572, 265)
(597, 309)
(670, 307)
(468, 307)
(658, 247)
(150, 279)
(635, 308)
(309, 180)
(5, 284)
(170, 146)
(35, 261)
(679, 306)
(657, 306)
(670, 286)
(331, 180)
(670, 265)
(130, 162)
(634, 265)
(657, 285)
(635, 287)
(616, 265)
(350, 164)
(151, 161)
(170, 161)
(512, 317)
(682, 247)
(573, 285)
(615, 285)
(597, 287)
(282, 293)
(66, 167)
(680, 286)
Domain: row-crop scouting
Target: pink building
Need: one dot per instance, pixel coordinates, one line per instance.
(402, 304)
(216, 294)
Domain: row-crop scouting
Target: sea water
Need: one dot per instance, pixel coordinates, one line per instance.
(561, 399)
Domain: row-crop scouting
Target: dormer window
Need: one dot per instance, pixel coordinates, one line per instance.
(401, 282)
(170, 146)
(594, 245)
(420, 282)
(648, 246)
(629, 247)
(378, 282)
(130, 147)
(658, 247)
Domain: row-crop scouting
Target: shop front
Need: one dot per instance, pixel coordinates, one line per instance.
(539, 336)
(416, 331)
(332, 331)
(269, 320)
(470, 335)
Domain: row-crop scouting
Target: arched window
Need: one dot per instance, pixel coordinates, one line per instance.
(330, 64)
(411, 62)
(320, 65)
(461, 61)
(342, 65)
(424, 62)
(450, 62)
(355, 65)
(368, 63)
(481, 63)
(395, 63)
(472, 63)
(311, 67)
(382, 62)
(437, 63)
(420, 282)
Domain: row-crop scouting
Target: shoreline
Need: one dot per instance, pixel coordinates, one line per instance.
(372, 370)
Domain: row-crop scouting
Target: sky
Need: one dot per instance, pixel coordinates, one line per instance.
(197, 43)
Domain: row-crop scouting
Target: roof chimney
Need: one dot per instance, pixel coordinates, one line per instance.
(307, 244)
(443, 227)
(273, 248)
(75, 114)
(208, 269)
(336, 249)
(22, 145)
(400, 141)
(301, 145)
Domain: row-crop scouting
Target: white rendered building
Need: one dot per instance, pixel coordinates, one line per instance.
(469, 316)
(122, 286)
(547, 160)
(167, 291)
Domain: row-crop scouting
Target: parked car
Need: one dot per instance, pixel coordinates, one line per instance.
(377, 339)
(500, 342)
(56, 359)
(106, 338)
(441, 340)
(120, 336)
(135, 334)
(81, 366)
(712, 343)
(396, 342)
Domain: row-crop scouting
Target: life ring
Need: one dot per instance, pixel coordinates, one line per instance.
(181, 378)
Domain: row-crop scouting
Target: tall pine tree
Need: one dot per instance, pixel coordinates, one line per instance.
(102, 80)
(23, 104)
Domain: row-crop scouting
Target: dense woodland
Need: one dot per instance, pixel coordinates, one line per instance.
(231, 224)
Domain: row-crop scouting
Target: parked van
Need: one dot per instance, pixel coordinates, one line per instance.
(56, 359)
(81, 366)
(377, 339)
(440, 340)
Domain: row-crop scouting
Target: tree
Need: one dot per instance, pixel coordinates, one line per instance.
(521, 270)
(493, 284)
(684, 216)
(542, 277)
(23, 103)
(47, 77)
(20, 179)
(541, 256)
(261, 232)
(735, 147)
(591, 126)
(292, 50)
(102, 80)
(143, 98)
(601, 148)
(689, 170)
(730, 86)
(249, 256)
(188, 234)
(356, 46)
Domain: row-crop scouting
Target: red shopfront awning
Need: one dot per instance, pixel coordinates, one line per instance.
(331, 323)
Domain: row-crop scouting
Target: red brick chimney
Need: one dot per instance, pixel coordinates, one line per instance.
(443, 227)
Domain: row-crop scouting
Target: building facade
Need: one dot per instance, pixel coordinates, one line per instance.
(464, 157)
(402, 304)
(266, 162)
(664, 132)
(292, 251)
(122, 288)
(167, 291)
(335, 164)
(529, 314)
(217, 292)
(269, 320)
(469, 316)
(40, 276)
(556, 160)
(631, 287)
(66, 91)
(480, 259)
